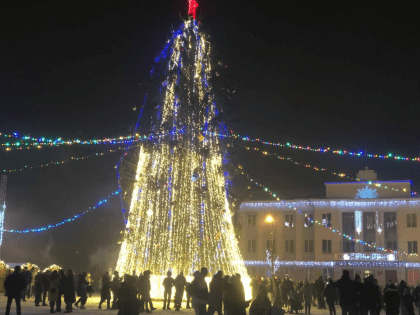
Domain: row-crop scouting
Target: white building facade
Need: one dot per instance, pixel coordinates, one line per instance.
(317, 237)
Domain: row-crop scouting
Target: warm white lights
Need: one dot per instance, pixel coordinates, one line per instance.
(179, 216)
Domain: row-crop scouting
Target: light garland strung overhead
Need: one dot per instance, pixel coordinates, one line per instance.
(117, 167)
(72, 158)
(27, 142)
(290, 206)
(321, 169)
(358, 153)
(77, 216)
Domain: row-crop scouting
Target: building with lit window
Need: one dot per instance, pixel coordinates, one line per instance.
(318, 237)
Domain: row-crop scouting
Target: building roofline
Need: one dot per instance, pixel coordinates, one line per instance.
(332, 203)
(370, 182)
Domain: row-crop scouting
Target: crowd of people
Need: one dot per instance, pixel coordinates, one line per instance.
(53, 287)
(225, 294)
(358, 296)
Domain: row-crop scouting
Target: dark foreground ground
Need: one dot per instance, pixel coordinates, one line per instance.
(28, 308)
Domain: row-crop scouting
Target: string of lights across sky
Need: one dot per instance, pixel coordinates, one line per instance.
(298, 211)
(359, 153)
(14, 141)
(27, 142)
(321, 169)
(71, 219)
(72, 158)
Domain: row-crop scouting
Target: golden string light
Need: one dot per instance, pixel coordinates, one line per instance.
(179, 215)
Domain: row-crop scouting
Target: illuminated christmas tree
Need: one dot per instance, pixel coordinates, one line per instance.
(179, 215)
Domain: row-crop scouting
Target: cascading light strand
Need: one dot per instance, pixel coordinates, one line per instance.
(71, 159)
(71, 219)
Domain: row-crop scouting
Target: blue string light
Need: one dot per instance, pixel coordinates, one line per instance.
(125, 153)
(77, 216)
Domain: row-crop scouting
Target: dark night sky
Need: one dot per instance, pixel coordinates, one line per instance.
(320, 73)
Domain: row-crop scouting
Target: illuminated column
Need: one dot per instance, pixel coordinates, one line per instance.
(3, 183)
(380, 235)
(358, 223)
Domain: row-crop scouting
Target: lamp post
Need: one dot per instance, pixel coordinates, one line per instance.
(269, 220)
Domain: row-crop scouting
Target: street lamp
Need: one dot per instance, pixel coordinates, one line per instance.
(269, 220)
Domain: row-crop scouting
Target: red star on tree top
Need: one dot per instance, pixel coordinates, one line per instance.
(192, 8)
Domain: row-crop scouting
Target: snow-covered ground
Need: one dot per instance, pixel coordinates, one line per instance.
(28, 308)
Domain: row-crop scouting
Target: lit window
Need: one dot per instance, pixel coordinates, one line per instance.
(412, 247)
(288, 220)
(252, 246)
(326, 219)
(411, 220)
(326, 246)
(289, 246)
(252, 220)
(391, 245)
(308, 220)
(309, 246)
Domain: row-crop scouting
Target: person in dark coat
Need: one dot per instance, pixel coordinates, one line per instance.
(45, 286)
(168, 283)
(216, 294)
(400, 288)
(140, 291)
(359, 290)
(14, 285)
(370, 295)
(329, 293)
(307, 296)
(61, 284)
(408, 303)
(347, 293)
(254, 287)
(115, 286)
(69, 296)
(180, 282)
(105, 291)
(261, 305)
(147, 288)
(319, 289)
(28, 279)
(378, 298)
(234, 298)
(53, 290)
(38, 289)
(81, 290)
(392, 300)
(128, 304)
(188, 293)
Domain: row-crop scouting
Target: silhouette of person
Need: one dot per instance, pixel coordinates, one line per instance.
(14, 285)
